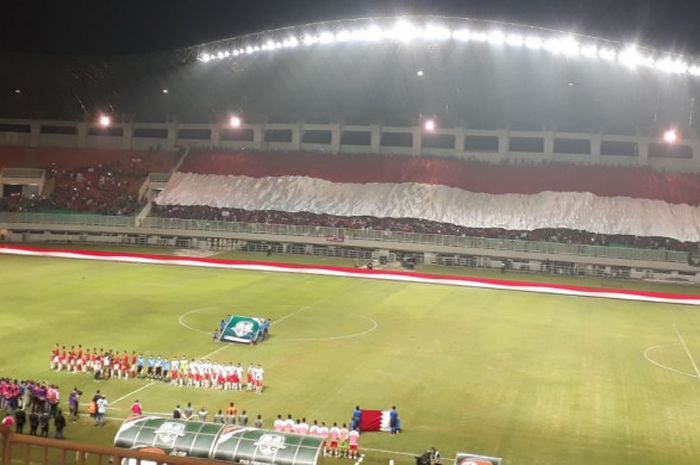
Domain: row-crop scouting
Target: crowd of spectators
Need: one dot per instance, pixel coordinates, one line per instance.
(412, 225)
(106, 189)
(32, 402)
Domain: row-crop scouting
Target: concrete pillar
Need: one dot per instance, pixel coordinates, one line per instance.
(375, 141)
(34, 133)
(643, 148)
(172, 136)
(335, 138)
(296, 137)
(128, 136)
(417, 134)
(548, 145)
(459, 141)
(81, 134)
(596, 140)
(215, 140)
(258, 136)
(503, 144)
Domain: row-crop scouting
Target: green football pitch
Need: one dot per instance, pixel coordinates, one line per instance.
(532, 378)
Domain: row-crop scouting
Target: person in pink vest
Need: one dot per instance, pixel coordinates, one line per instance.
(136, 408)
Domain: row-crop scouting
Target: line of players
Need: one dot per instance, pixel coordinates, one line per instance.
(179, 371)
(337, 441)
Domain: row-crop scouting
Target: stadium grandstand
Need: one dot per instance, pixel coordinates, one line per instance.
(399, 150)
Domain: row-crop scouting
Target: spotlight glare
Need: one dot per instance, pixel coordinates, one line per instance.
(496, 38)
(429, 125)
(18, 91)
(589, 51)
(607, 54)
(670, 136)
(515, 40)
(436, 32)
(220, 55)
(420, 73)
(235, 122)
(533, 42)
(206, 57)
(165, 91)
(104, 121)
(479, 36)
(570, 47)
(326, 38)
(461, 35)
(343, 36)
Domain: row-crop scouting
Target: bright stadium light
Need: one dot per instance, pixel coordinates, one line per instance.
(496, 38)
(553, 45)
(515, 40)
(589, 51)
(429, 125)
(670, 136)
(420, 73)
(436, 32)
(632, 58)
(533, 42)
(165, 91)
(343, 36)
(235, 121)
(18, 91)
(607, 54)
(570, 47)
(461, 35)
(694, 70)
(104, 121)
(403, 31)
(479, 36)
(670, 65)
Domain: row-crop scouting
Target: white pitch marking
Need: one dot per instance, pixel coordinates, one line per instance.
(687, 351)
(181, 320)
(661, 365)
(375, 325)
(396, 452)
(133, 392)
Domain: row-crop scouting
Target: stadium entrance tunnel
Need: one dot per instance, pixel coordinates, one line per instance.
(218, 442)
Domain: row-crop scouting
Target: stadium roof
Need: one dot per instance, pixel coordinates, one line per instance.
(391, 70)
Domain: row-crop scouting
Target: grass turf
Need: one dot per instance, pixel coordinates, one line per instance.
(536, 379)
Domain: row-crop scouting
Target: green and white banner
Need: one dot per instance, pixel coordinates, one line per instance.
(464, 458)
(241, 329)
(247, 446)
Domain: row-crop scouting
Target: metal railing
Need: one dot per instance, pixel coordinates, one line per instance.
(66, 219)
(32, 450)
(181, 226)
(159, 177)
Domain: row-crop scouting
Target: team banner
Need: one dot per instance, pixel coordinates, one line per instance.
(464, 458)
(247, 446)
(375, 420)
(243, 329)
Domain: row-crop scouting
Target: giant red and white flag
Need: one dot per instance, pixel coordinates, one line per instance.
(606, 200)
(375, 420)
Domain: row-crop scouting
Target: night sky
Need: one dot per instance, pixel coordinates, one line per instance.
(117, 27)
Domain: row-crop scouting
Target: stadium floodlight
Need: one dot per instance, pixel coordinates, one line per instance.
(479, 36)
(436, 32)
(553, 45)
(496, 38)
(570, 47)
(670, 136)
(165, 91)
(420, 73)
(18, 91)
(515, 40)
(429, 125)
(220, 55)
(326, 38)
(235, 53)
(589, 51)
(607, 54)
(694, 70)
(309, 40)
(632, 58)
(270, 44)
(206, 57)
(533, 42)
(343, 36)
(293, 42)
(235, 121)
(249, 50)
(105, 121)
(461, 35)
(403, 31)
(670, 65)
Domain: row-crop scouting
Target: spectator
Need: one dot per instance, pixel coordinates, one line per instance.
(44, 423)
(59, 423)
(20, 420)
(101, 405)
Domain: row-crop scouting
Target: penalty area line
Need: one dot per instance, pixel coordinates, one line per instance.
(687, 351)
